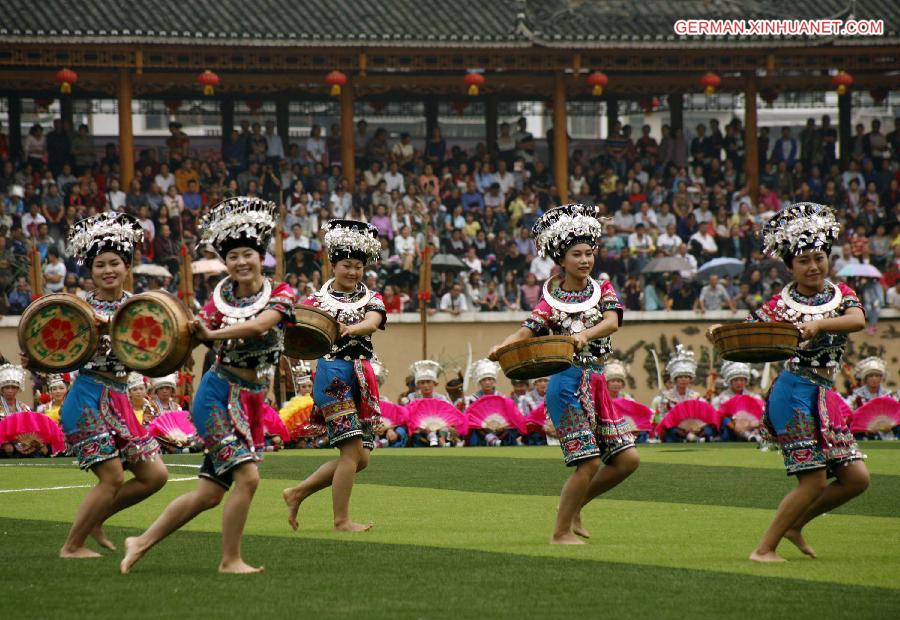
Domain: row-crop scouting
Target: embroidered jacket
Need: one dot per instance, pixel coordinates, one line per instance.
(104, 359)
(826, 349)
(545, 319)
(350, 347)
(264, 350)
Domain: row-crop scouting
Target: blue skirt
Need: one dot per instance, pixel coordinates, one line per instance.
(227, 412)
(810, 435)
(100, 424)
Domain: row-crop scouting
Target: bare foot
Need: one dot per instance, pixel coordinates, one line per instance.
(79, 553)
(768, 556)
(293, 499)
(566, 539)
(350, 526)
(98, 535)
(133, 553)
(796, 537)
(578, 528)
(240, 568)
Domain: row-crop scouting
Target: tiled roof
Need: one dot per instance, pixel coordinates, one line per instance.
(411, 23)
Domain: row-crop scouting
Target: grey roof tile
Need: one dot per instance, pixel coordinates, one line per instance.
(558, 23)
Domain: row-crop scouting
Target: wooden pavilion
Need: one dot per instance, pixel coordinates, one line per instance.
(401, 50)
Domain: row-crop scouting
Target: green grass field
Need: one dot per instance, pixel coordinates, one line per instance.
(462, 533)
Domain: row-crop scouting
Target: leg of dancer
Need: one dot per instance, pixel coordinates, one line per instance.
(345, 388)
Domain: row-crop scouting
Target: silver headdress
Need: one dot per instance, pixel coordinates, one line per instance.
(135, 380)
(302, 372)
(351, 239)
(614, 369)
(560, 228)
(484, 369)
(10, 374)
(868, 366)
(380, 371)
(735, 370)
(241, 221)
(55, 380)
(425, 370)
(681, 363)
(799, 227)
(170, 381)
(105, 232)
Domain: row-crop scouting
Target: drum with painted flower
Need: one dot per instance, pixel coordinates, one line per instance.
(57, 333)
(150, 333)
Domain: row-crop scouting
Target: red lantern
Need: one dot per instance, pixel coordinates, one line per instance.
(649, 104)
(43, 105)
(878, 94)
(459, 106)
(66, 77)
(710, 82)
(254, 105)
(842, 82)
(474, 81)
(377, 106)
(597, 81)
(335, 79)
(769, 95)
(209, 81)
(172, 105)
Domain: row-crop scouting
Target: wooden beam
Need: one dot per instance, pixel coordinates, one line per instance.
(348, 155)
(560, 139)
(751, 151)
(14, 117)
(283, 121)
(845, 127)
(612, 113)
(126, 131)
(490, 123)
(676, 111)
(226, 108)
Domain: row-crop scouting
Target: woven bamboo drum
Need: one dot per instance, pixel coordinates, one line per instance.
(536, 357)
(756, 342)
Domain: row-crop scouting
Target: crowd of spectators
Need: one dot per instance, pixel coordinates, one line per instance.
(679, 194)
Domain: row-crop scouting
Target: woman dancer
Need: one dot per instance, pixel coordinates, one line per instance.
(244, 322)
(97, 417)
(577, 400)
(345, 388)
(815, 441)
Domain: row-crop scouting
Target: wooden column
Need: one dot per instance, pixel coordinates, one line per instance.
(560, 138)
(845, 129)
(126, 131)
(348, 163)
(676, 111)
(490, 123)
(67, 110)
(612, 113)
(226, 109)
(431, 117)
(14, 109)
(751, 140)
(283, 121)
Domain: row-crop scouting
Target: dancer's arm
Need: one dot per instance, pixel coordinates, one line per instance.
(853, 320)
(604, 328)
(366, 327)
(257, 326)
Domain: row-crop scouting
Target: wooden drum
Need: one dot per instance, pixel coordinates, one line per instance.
(312, 335)
(756, 342)
(536, 357)
(150, 333)
(57, 333)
